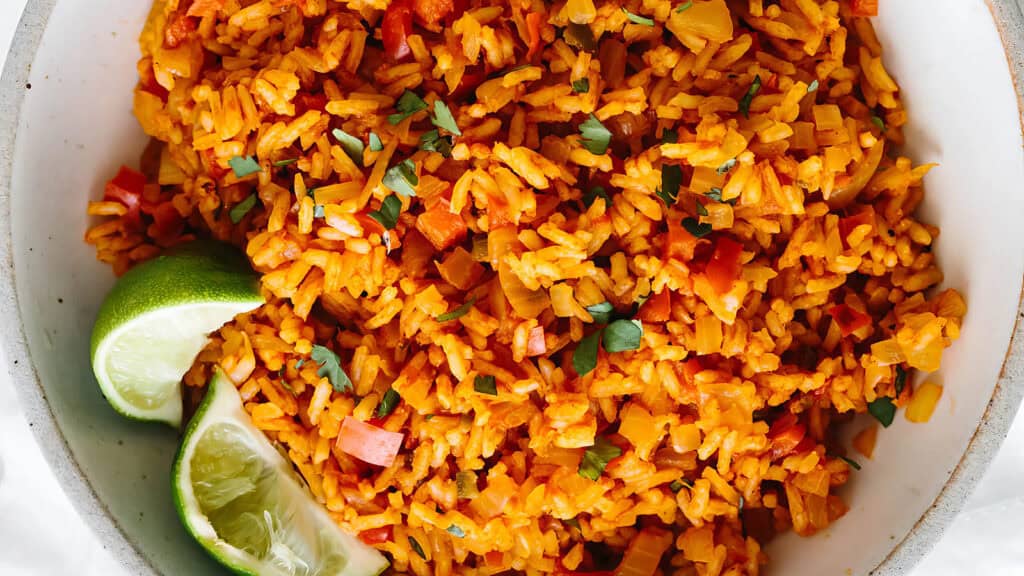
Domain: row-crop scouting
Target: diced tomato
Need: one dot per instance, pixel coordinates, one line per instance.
(785, 435)
(534, 20)
(864, 7)
(304, 102)
(848, 319)
(431, 12)
(679, 243)
(378, 535)
(658, 307)
(441, 227)
(471, 78)
(127, 188)
(724, 267)
(167, 222)
(494, 558)
(179, 28)
(396, 27)
(850, 223)
(535, 344)
(202, 8)
(369, 443)
(691, 368)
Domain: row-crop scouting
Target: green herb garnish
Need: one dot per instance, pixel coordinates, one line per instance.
(330, 366)
(755, 87)
(285, 162)
(685, 6)
(812, 87)
(402, 178)
(637, 19)
(597, 457)
(388, 403)
(590, 195)
(485, 385)
(602, 313)
(443, 118)
(596, 137)
(671, 180)
(883, 410)
(458, 312)
(622, 335)
(465, 484)
(352, 146)
(669, 136)
(584, 358)
(390, 208)
(901, 380)
(456, 531)
(408, 104)
(238, 211)
(375, 144)
(318, 211)
(581, 86)
(701, 210)
(678, 485)
(725, 167)
(877, 121)
(417, 548)
(695, 228)
(851, 463)
(432, 141)
(244, 166)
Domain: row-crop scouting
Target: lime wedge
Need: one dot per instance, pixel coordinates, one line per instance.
(157, 318)
(245, 505)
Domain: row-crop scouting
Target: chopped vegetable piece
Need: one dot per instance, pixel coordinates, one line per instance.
(318, 211)
(443, 118)
(726, 166)
(390, 208)
(850, 223)
(864, 441)
(402, 178)
(442, 228)
(580, 36)
(596, 137)
(644, 553)
(883, 410)
(701, 210)
(352, 146)
(458, 312)
(848, 319)
(396, 27)
(671, 180)
(378, 535)
(238, 211)
(602, 312)
(637, 19)
(417, 548)
(657, 308)
(877, 121)
(299, 363)
(685, 6)
(623, 335)
(901, 380)
(584, 358)
(678, 485)
(755, 87)
(408, 104)
(695, 228)
(127, 188)
(485, 385)
(535, 343)
(581, 86)
(785, 434)
(812, 87)
(465, 484)
(724, 268)
(456, 531)
(851, 463)
(594, 193)
(375, 144)
(679, 243)
(597, 457)
(432, 141)
(243, 166)
(922, 403)
(369, 443)
(330, 366)
(285, 162)
(388, 403)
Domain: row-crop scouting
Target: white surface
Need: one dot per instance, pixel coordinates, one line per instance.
(41, 535)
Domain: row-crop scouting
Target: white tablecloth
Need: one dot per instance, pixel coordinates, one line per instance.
(41, 535)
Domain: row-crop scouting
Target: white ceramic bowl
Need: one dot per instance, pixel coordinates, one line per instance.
(66, 125)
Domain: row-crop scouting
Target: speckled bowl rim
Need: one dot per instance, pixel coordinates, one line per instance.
(981, 449)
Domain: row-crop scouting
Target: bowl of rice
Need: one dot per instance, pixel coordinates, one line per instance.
(703, 287)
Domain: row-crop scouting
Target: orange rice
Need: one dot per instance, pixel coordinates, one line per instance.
(781, 288)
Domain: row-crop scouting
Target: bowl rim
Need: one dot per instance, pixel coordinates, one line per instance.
(981, 449)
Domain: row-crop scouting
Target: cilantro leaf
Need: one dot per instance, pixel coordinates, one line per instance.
(714, 194)
(417, 548)
(285, 162)
(678, 485)
(883, 410)
(597, 457)
(637, 19)
(390, 208)
(243, 166)
(485, 385)
(238, 211)
(581, 86)
(408, 104)
(669, 136)
(701, 209)
(695, 228)
(901, 380)
(602, 313)
(671, 180)
(593, 193)
(877, 121)
(596, 137)
(443, 118)
(456, 531)
(375, 144)
(388, 403)
(726, 166)
(458, 312)
(853, 464)
(584, 358)
(812, 87)
(755, 87)
(352, 146)
(685, 6)
(402, 178)
(318, 211)
(623, 335)
(330, 366)
(432, 141)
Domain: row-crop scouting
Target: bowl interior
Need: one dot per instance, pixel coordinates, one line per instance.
(76, 128)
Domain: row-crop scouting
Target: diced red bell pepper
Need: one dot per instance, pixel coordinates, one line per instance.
(848, 319)
(724, 267)
(679, 243)
(441, 227)
(864, 8)
(658, 307)
(534, 21)
(304, 102)
(127, 188)
(202, 8)
(850, 223)
(535, 344)
(179, 27)
(494, 558)
(431, 12)
(785, 435)
(378, 535)
(396, 27)
(369, 443)
(167, 222)
(471, 78)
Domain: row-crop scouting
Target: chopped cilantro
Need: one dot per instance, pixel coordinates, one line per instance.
(432, 141)
(388, 403)
(408, 104)
(584, 358)
(593, 193)
(443, 118)
(375, 144)
(596, 137)
(597, 457)
(485, 385)
(244, 166)
(877, 121)
(390, 208)
(456, 531)
(637, 19)
(417, 548)
(695, 228)
(901, 380)
(755, 87)
(402, 178)
(812, 87)
(726, 166)
(352, 146)
(601, 313)
(285, 162)
(622, 335)
(581, 86)
(883, 410)
(671, 180)
(330, 366)
(238, 211)
(685, 6)
(458, 312)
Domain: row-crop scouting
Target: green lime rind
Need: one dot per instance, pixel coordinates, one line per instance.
(232, 488)
(156, 319)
